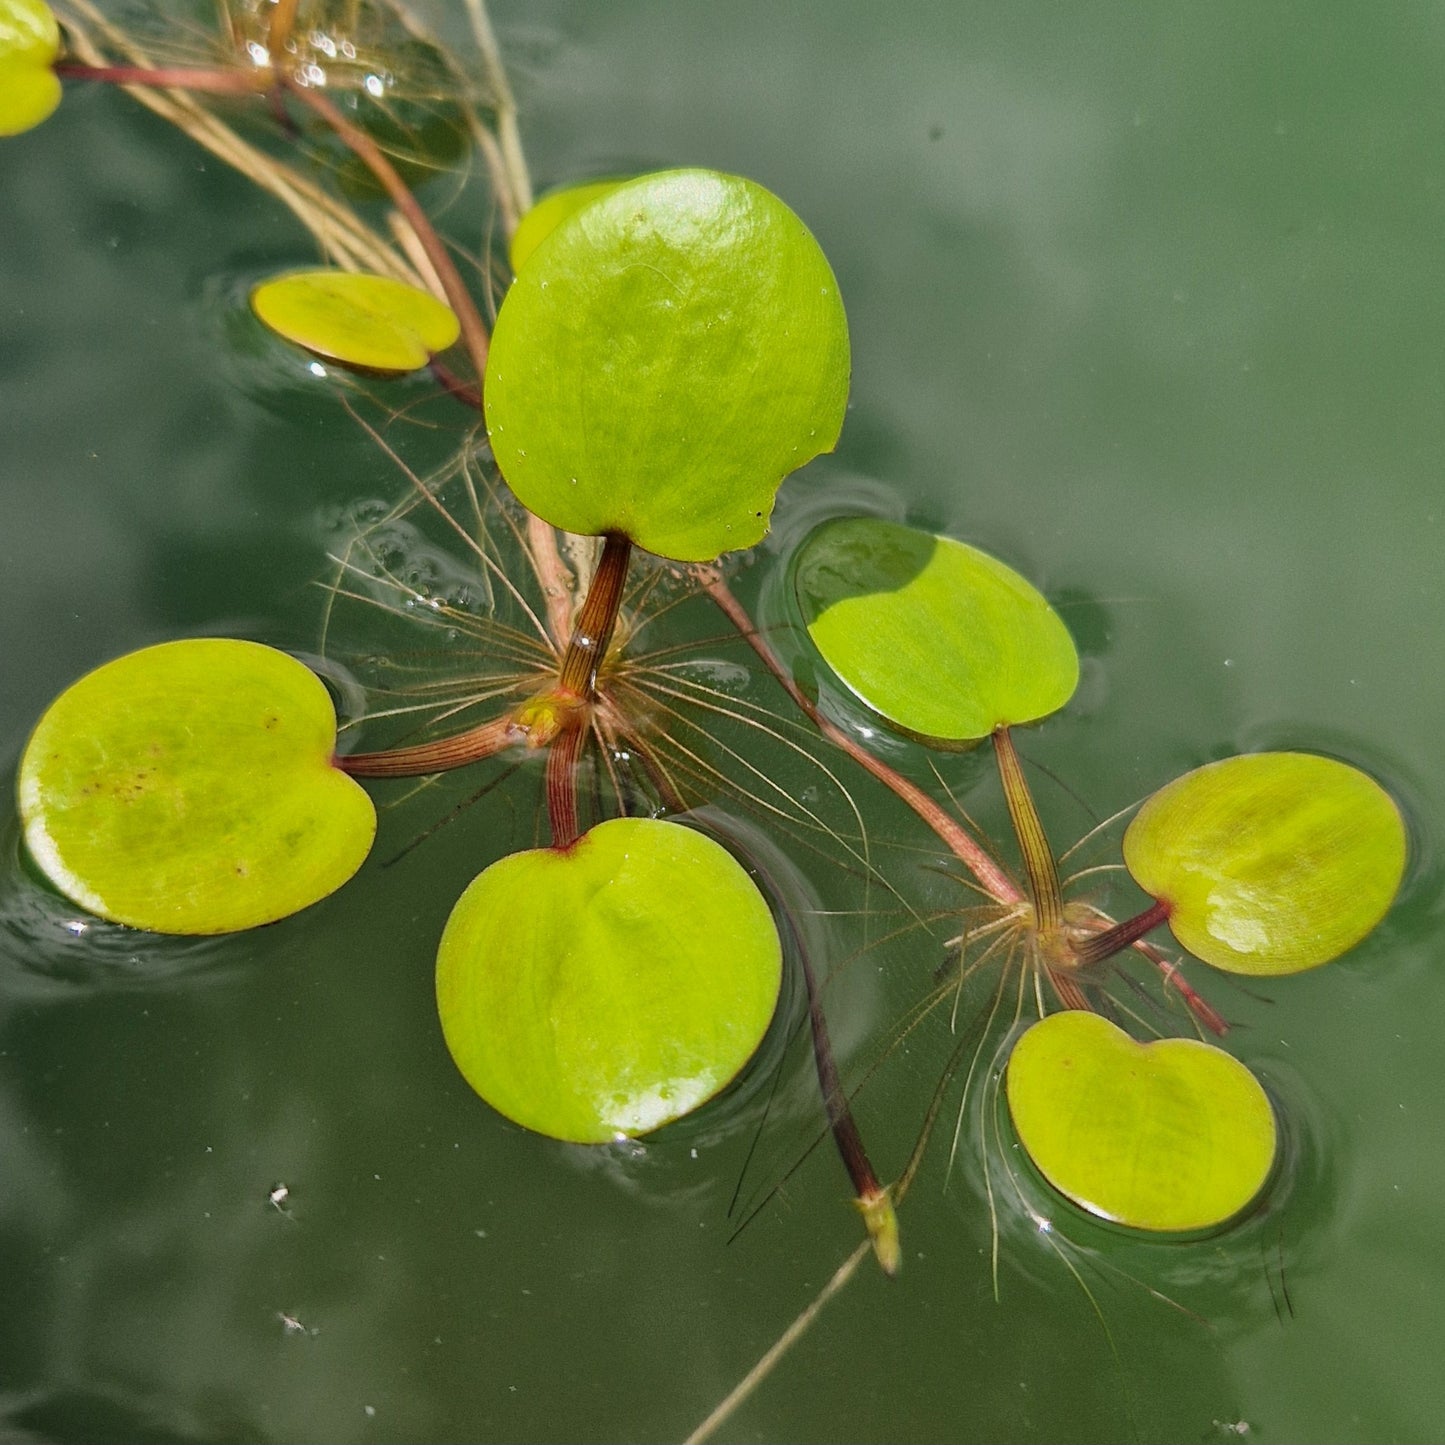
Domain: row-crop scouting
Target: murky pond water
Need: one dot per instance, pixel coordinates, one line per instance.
(1148, 302)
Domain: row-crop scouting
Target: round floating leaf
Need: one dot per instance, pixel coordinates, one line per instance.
(665, 358)
(1271, 862)
(371, 322)
(551, 211)
(937, 637)
(1172, 1135)
(29, 43)
(606, 989)
(189, 788)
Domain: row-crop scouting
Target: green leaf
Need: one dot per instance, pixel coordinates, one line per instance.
(1168, 1136)
(1270, 863)
(189, 788)
(606, 989)
(551, 211)
(360, 320)
(668, 355)
(937, 637)
(29, 43)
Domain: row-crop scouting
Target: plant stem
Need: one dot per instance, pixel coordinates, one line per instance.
(554, 577)
(516, 193)
(174, 77)
(283, 21)
(874, 1201)
(1205, 1012)
(972, 854)
(474, 331)
(465, 392)
(435, 757)
(563, 755)
(554, 718)
(560, 720)
(596, 618)
(1114, 940)
(1038, 857)
(738, 1395)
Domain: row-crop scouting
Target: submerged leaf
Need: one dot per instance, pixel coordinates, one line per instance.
(189, 788)
(664, 360)
(29, 43)
(606, 989)
(1168, 1136)
(357, 319)
(1270, 863)
(935, 636)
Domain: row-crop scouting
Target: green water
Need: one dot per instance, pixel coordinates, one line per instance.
(1146, 299)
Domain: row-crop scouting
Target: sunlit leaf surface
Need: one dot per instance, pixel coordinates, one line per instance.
(1171, 1136)
(371, 322)
(29, 43)
(189, 788)
(669, 355)
(934, 635)
(1270, 862)
(606, 989)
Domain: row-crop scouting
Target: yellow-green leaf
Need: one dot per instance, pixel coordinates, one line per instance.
(664, 359)
(606, 989)
(190, 788)
(29, 43)
(357, 319)
(1270, 863)
(939, 638)
(1171, 1136)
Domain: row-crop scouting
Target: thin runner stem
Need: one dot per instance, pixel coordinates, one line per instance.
(991, 878)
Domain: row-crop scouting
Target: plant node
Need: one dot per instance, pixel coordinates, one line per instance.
(541, 719)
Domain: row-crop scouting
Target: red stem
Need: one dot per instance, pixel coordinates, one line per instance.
(845, 1129)
(435, 757)
(1114, 940)
(1173, 978)
(474, 332)
(596, 618)
(563, 756)
(176, 77)
(465, 392)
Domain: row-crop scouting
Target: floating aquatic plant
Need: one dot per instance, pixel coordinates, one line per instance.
(670, 348)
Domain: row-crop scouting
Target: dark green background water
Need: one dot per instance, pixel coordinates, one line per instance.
(1147, 299)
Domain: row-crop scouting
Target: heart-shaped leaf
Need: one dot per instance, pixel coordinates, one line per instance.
(189, 788)
(29, 43)
(357, 319)
(1270, 862)
(551, 211)
(670, 354)
(937, 637)
(605, 989)
(1170, 1136)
